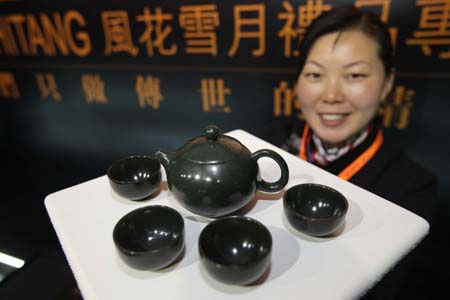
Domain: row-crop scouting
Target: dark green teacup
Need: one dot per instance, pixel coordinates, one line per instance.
(315, 209)
(135, 177)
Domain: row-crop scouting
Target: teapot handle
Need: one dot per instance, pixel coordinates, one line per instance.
(280, 183)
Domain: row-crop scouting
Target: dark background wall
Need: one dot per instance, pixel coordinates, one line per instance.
(99, 88)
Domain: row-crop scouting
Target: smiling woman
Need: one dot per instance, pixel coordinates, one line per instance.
(342, 85)
(344, 73)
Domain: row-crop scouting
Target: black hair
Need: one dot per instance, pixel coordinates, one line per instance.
(348, 18)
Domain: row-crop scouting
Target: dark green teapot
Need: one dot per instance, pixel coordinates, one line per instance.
(214, 175)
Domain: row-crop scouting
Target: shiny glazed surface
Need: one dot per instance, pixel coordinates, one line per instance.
(235, 250)
(214, 175)
(150, 237)
(135, 177)
(315, 209)
(213, 190)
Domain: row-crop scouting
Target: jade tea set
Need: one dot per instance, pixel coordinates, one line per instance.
(213, 175)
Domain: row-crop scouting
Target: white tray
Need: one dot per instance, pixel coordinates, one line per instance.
(376, 235)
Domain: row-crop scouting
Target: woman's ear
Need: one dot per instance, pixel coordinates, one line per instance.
(388, 84)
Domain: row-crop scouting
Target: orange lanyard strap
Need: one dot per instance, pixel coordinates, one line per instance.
(357, 164)
(302, 153)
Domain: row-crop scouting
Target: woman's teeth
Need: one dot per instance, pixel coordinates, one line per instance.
(333, 117)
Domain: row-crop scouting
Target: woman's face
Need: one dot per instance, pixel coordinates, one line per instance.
(342, 84)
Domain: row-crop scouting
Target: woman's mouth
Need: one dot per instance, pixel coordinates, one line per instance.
(333, 119)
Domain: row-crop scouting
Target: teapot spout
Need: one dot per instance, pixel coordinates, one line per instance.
(164, 157)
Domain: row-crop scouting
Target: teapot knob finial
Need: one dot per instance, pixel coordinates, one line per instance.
(212, 132)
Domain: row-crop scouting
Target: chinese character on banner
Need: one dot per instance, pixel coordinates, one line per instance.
(94, 88)
(434, 27)
(384, 15)
(306, 14)
(398, 108)
(149, 91)
(8, 86)
(47, 85)
(116, 27)
(199, 22)
(213, 95)
(156, 33)
(245, 22)
(285, 101)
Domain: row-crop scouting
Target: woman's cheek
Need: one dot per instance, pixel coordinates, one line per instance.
(307, 93)
(365, 94)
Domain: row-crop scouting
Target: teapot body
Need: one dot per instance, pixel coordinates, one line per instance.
(214, 175)
(213, 190)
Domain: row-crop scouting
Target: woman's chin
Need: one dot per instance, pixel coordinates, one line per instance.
(332, 136)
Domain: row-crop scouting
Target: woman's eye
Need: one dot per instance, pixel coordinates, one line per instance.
(312, 75)
(356, 76)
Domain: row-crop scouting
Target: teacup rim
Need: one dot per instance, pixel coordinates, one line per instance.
(130, 252)
(113, 164)
(296, 213)
(252, 220)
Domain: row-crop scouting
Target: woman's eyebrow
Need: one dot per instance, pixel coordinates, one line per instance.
(357, 63)
(314, 62)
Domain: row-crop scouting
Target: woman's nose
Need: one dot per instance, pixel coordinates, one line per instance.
(332, 92)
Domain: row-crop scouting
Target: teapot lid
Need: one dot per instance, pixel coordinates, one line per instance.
(213, 147)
